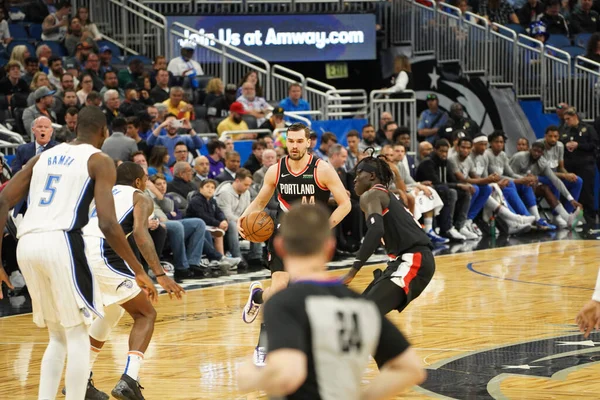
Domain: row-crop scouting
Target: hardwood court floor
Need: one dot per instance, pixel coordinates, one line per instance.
(492, 324)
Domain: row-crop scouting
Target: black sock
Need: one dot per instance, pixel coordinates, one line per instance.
(257, 297)
(262, 336)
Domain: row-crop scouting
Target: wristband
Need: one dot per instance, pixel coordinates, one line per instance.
(159, 275)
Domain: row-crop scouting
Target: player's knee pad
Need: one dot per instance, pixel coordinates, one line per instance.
(101, 328)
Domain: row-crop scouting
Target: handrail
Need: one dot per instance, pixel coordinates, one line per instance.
(300, 118)
(225, 134)
(14, 135)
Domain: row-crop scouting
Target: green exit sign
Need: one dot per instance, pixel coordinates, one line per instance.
(337, 70)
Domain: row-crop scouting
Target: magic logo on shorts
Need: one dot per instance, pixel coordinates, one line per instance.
(126, 283)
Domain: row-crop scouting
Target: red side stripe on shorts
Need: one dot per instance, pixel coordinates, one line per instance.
(385, 211)
(414, 269)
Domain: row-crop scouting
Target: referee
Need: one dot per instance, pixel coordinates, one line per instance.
(320, 333)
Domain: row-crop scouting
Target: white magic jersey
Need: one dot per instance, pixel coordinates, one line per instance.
(61, 190)
(123, 196)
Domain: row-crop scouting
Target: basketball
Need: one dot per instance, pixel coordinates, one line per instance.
(258, 226)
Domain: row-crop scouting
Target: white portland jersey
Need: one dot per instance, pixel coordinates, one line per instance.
(61, 190)
(123, 196)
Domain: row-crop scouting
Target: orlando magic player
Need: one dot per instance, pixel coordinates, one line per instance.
(62, 182)
(115, 278)
(320, 333)
(302, 178)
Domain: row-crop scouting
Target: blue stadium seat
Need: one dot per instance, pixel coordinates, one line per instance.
(516, 27)
(18, 42)
(559, 41)
(116, 51)
(582, 40)
(57, 48)
(574, 51)
(144, 59)
(35, 31)
(18, 31)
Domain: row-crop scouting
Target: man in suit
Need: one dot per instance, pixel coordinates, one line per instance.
(232, 164)
(42, 130)
(402, 136)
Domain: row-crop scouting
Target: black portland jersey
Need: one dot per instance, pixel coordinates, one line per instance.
(402, 231)
(303, 186)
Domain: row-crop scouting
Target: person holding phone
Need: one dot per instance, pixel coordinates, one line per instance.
(173, 125)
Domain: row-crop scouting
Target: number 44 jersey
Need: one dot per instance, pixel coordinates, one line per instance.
(337, 330)
(61, 190)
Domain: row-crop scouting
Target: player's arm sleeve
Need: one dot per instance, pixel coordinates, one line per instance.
(285, 329)
(596, 295)
(391, 343)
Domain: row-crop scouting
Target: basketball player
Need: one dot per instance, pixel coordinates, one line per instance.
(589, 316)
(114, 276)
(411, 265)
(62, 182)
(299, 177)
(320, 333)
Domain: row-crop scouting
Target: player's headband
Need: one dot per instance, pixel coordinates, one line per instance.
(480, 139)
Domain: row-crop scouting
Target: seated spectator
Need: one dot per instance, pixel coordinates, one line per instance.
(193, 141)
(105, 54)
(43, 53)
(530, 11)
(328, 139)
(86, 86)
(254, 162)
(522, 144)
(176, 106)
(204, 206)
(68, 101)
(275, 122)
(55, 72)
(112, 83)
(160, 62)
(216, 156)
(533, 162)
(232, 165)
(234, 122)
(455, 196)
(32, 67)
(5, 37)
(233, 198)
(54, 26)
(294, 102)
(401, 135)
(369, 140)
(201, 170)
(160, 92)
(19, 54)
(186, 236)
(583, 19)
(133, 131)
(144, 89)
(93, 99)
(431, 120)
(118, 146)
(77, 36)
(67, 82)
(92, 67)
(42, 107)
(159, 157)
(39, 80)
(131, 105)
(354, 156)
(88, 26)
(555, 23)
(593, 50)
(68, 132)
(252, 77)
(111, 106)
(214, 90)
(131, 73)
(219, 108)
(269, 157)
(458, 121)
(182, 179)
(498, 11)
(181, 153)
(185, 66)
(146, 121)
(425, 149)
(409, 162)
(140, 158)
(253, 105)
(229, 144)
(42, 132)
(13, 89)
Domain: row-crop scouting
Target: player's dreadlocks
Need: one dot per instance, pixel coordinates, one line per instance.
(378, 165)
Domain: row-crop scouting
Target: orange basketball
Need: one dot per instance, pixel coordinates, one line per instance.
(258, 226)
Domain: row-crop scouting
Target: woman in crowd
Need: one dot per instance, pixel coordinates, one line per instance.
(19, 54)
(159, 157)
(40, 79)
(214, 90)
(84, 17)
(251, 77)
(86, 86)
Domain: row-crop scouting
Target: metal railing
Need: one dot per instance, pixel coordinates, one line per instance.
(475, 56)
(586, 82)
(403, 109)
(557, 69)
(530, 67)
(343, 103)
(450, 36)
(423, 28)
(316, 95)
(282, 78)
(233, 134)
(503, 63)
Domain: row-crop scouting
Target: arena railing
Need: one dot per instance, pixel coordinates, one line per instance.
(233, 134)
(530, 68)
(403, 109)
(282, 78)
(315, 93)
(557, 69)
(450, 37)
(586, 93)
(346, 103)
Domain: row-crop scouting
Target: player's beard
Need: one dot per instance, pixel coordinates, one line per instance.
(297, 156)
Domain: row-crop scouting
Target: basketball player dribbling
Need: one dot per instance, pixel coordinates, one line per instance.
(411, 264)
(299, 177)
(62, 182)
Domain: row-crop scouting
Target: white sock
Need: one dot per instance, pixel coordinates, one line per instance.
(53, 362)
(428, 223)
(560, 210)
(94, 351)
(134, 363)
(78, 361)
(507, 215)
(534, 211)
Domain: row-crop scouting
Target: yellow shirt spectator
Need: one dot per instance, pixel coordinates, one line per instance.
(228, 124)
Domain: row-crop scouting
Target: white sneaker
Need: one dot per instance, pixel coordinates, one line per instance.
(560, 222)
(17, 280)
(232, 261)
(453, 234)
(466, 232)
(526, 219)
(475, 229)
(259, 356)
(251, 308)
(574, 218)
(515, 228)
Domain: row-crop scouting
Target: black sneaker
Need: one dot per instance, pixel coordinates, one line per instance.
(127, 389)
(91, 393)
(182, 274)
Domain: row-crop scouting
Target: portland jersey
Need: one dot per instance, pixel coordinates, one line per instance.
(303, 187)
(401, 231)
(60, 191)
(337, 330)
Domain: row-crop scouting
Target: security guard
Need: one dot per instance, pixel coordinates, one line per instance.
(581, 142)
(458, 121)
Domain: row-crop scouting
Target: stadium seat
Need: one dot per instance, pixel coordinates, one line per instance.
(582, 40)
(250, 120)
(214, 123)
(559, 41)
(201, 126)
(35, 31)
(116, 51)
(57, 48)
(18, 31)
(574, 51)
(200, 112)
(145, 60)
(516, 27)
